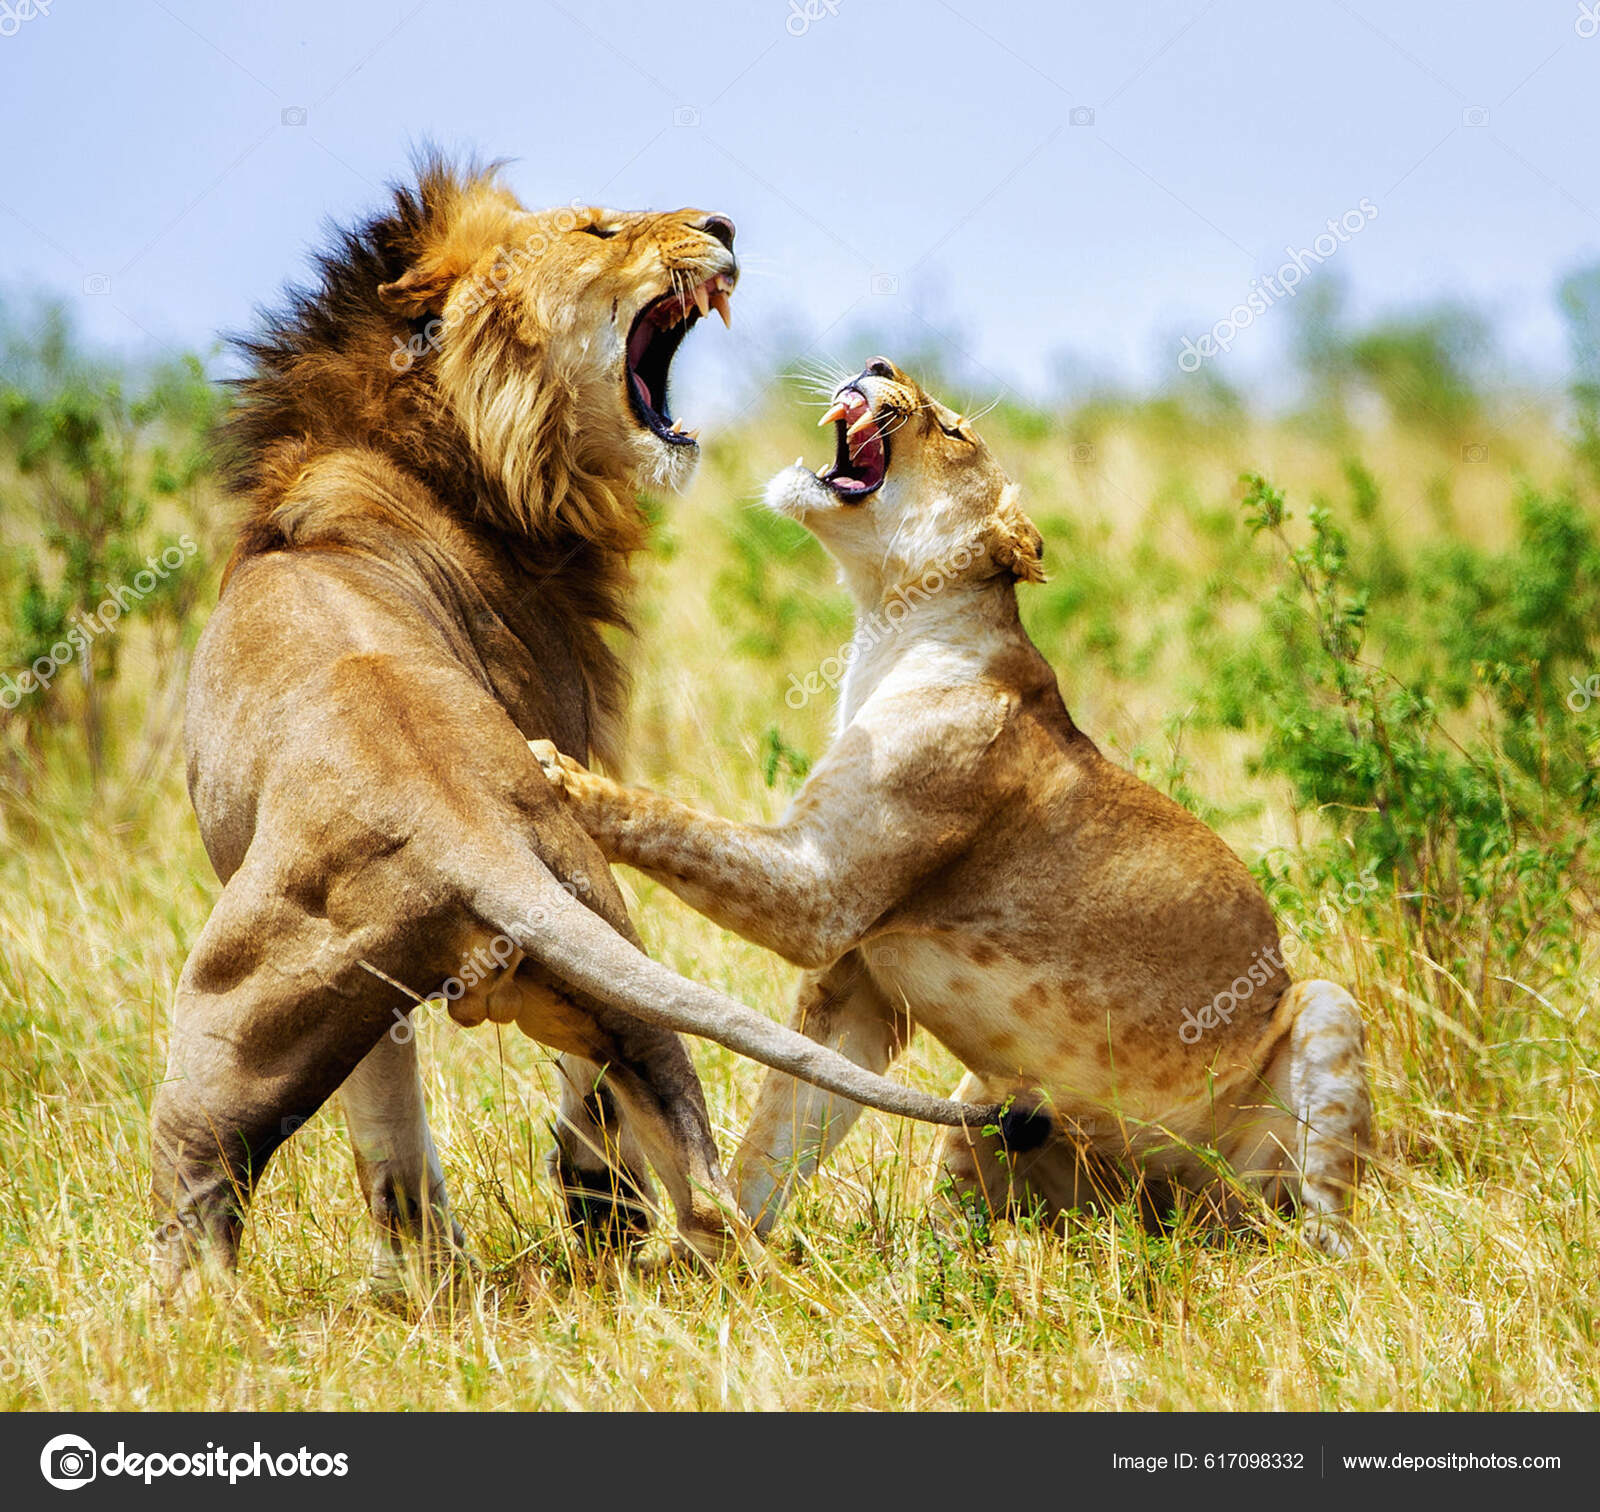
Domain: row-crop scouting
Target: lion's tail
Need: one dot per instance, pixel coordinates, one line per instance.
(578, 946)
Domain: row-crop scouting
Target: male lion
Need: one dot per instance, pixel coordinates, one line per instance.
(437, 450)
(964, 858)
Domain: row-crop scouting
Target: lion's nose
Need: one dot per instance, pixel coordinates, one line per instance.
(720, 227)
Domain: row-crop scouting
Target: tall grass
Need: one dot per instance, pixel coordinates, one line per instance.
(1190, 648)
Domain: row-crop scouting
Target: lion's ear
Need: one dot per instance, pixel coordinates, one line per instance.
(1014, 540)
(421, 289)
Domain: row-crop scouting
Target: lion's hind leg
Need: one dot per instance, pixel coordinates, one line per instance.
(1308, 1132)
(396, 1160)
(598, 1163)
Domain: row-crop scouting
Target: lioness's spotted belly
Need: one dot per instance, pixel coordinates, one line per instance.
(1029, 1026)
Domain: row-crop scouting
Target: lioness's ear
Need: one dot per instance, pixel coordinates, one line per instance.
(1014, 540)
(421, 289)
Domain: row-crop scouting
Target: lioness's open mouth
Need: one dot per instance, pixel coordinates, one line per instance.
(862, 460)
(658, 330)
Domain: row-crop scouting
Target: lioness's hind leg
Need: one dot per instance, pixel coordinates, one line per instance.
(396, 1161)
(974, 1177)
(1311, 1144)
(1329, 1093)
(1026, 1164)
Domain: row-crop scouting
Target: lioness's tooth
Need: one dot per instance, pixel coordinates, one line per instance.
(864, 423)
(838, 412)
(693, 435)
(719, 302)
(700, 299)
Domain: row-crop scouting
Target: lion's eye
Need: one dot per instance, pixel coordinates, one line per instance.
(605, 233)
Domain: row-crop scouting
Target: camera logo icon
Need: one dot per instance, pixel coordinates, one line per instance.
(884, 283)
(293, 115)
(686, 115)
(68, 1462)
(1474, 451)
(1081, 115)
(1475, 115)
(96, 283)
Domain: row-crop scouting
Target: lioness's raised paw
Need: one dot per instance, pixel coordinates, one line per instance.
(556, 766)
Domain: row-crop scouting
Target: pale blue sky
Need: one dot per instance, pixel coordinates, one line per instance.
(926, 149)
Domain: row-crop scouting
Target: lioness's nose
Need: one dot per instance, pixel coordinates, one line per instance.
(720, 227)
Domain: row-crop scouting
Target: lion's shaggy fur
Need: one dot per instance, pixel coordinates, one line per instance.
(321, 383)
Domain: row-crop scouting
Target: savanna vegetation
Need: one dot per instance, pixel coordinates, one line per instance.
(1359, 634)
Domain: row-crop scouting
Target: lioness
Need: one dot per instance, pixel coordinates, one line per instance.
(436, 451)
(965, 859)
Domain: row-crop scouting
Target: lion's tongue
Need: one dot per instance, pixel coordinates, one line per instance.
(638, 347)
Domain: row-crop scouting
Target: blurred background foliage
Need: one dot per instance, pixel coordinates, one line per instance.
(1362, 609)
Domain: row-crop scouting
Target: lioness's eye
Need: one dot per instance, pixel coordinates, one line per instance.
(605, 233)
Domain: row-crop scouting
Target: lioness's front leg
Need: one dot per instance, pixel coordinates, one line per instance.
(797, 888)
(795, 1126)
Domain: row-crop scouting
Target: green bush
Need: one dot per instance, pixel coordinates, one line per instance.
(1455, 769)
(107, 506)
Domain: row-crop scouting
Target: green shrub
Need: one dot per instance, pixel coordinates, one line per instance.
(1455, 770)
(98, 486)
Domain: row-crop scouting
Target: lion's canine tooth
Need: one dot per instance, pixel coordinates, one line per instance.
(838, 412)
(719, 302)
(693, 435)
(700, 300)
(864, 423)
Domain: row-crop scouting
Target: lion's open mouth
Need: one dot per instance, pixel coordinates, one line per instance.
(861, 461)
(658, 330)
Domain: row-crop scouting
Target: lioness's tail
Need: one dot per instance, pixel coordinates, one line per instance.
(578, 945)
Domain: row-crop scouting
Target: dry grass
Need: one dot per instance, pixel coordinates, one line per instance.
(1473, 1286)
